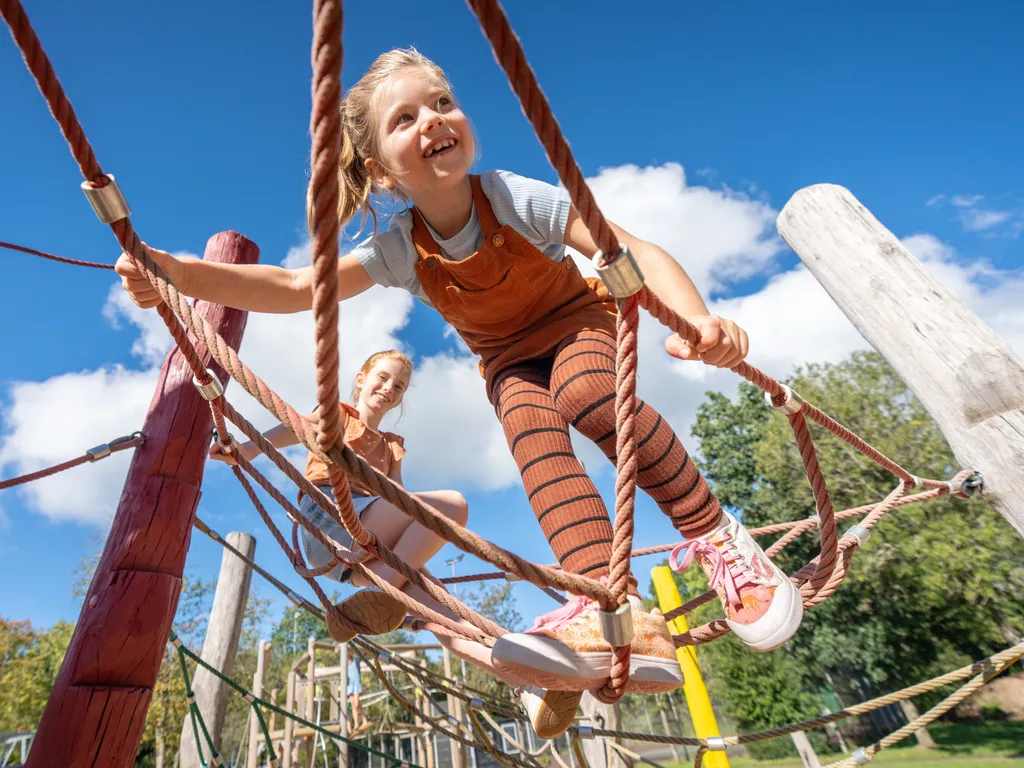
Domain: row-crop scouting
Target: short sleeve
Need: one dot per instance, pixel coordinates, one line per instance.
(397, 445)
(537, 210)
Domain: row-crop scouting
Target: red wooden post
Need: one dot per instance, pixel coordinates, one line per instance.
(97, 709)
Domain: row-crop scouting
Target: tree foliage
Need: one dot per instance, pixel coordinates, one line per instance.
(938, 582)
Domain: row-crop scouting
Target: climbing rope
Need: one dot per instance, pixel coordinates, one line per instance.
(91, 456)
(818, 579)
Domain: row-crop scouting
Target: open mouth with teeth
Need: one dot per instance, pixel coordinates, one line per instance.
(441, 147)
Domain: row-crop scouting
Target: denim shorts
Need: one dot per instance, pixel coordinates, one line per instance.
(317, 555)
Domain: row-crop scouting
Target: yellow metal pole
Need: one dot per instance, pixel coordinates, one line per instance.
(704, 723)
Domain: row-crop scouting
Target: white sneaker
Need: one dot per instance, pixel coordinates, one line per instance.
(565, 651)
(762, 606)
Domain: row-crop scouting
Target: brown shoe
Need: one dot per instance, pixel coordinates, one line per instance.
(551, 712)
(372, 610)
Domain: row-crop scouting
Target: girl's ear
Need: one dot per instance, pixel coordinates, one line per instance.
(380, 178)
(360, 378)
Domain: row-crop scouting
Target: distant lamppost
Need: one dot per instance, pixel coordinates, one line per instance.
(455, 593)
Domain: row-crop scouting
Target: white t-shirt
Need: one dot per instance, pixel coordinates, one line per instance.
(536, 210)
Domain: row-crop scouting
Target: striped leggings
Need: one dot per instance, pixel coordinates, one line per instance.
(536, 401)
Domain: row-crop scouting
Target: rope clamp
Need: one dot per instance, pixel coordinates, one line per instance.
(476, 703)
(716, 744)
(586, 731)
(968, 485)
(513, 577)
(792, 404)
(620, 273)
(108, 201)
(860, 757)
(99, 452)
(617, 625)
(212, 389)
(860, 533)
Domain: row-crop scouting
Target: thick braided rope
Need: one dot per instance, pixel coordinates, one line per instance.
(687, 331)
(379, 550)
(51, 257)
(114, 446)
(936, 488)
(986, 668)
(60, 107)
(509, 53)
(625, 484)
(325, 128)
(822, 499)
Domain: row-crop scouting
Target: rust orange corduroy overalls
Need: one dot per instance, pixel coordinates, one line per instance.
(509, 301)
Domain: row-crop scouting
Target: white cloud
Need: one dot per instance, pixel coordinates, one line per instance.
(974, 218)
(86, 408)
(453, 437)
(51, 421)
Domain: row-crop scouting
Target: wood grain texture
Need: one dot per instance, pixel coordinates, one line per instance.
(963, 372)
(97, 710)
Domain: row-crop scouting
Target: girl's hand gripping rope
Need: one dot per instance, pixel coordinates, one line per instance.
(141, 291)
(723, 344)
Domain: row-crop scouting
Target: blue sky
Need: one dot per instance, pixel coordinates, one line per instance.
(202, 109)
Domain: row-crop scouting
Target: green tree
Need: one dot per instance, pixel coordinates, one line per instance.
(29, 662)
(940, 580)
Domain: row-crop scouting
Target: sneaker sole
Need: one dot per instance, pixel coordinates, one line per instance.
(375, 612)
(549, 664)
(778, 625)
(653, 674)
(556, 713)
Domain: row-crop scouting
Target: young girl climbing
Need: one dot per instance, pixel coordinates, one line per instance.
(488, 253)
(379, 387)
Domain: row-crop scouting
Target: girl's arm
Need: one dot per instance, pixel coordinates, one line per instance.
(254, 287)
(396, 472)
(723, 343)
(279, 437)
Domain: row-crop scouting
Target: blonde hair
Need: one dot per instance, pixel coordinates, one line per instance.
(387, 354)
(361, 134)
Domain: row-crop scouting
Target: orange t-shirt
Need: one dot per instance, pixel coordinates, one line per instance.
(382, 450)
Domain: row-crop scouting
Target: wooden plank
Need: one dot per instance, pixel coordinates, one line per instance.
(105, 682)
(965, 375)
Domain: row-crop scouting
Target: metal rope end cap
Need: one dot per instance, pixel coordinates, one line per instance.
(716, 744)
(212, 389)
(792, 404)
(108, 201)
(620, 274)
(617, 625)
(99, 452)
(860, 533)
(585, 731)
(860, 757)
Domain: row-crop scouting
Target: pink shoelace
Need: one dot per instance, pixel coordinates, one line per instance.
(558, 618)
(727, 568)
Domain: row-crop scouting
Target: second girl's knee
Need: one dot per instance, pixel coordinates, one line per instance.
(459, 507)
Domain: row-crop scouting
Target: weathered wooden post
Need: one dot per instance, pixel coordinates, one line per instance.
(808, 756)
(343, 705)
(964, 374)
(220, 644)
(97, 709)
(263, 650)
(460, 757)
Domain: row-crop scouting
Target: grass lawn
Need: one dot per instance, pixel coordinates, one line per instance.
(976, 745)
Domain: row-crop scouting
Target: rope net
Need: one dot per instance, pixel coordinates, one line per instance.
(817, 579)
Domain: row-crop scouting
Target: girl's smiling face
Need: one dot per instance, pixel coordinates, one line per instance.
(383, 386)
(425, 137)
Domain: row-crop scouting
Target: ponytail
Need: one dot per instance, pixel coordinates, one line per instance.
(354, 183)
